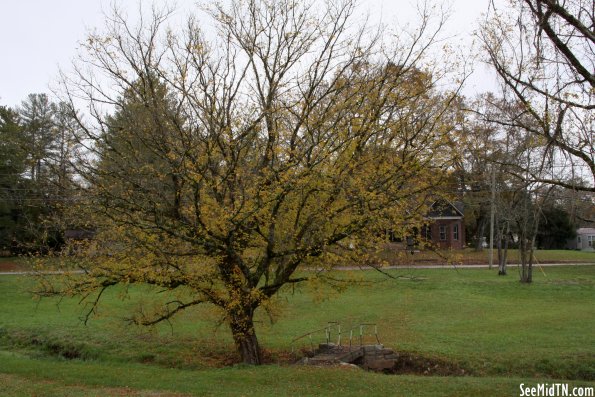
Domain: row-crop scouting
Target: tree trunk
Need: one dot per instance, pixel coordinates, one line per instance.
(526, 261)
(531, 251)
(244, 336)
(527, 248)
(503, 252)
(523, 255)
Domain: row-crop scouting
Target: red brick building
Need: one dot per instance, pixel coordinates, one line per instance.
(445, 228)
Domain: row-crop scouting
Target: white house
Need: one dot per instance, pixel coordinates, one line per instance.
(585, 239)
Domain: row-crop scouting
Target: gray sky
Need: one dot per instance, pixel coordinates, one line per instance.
(37, 37)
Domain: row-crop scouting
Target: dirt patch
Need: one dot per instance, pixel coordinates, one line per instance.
(10, 266)
(385, 360)
(63, 349)
(414, 364)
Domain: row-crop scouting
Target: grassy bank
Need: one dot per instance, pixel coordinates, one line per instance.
(494, 328)
(25, 377)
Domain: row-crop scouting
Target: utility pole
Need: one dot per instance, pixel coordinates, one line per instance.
(492, 216)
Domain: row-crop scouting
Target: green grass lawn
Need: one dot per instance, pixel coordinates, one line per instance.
(540, 256)
(395, 254)
(499, 331)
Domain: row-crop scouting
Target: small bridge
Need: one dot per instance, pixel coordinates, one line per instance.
(357, 350)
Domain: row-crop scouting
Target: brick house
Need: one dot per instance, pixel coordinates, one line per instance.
(445, 228)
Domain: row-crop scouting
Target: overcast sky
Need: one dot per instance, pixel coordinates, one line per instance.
(37, 37)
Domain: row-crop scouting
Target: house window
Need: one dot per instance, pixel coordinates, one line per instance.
(442, 233)
(428, 232)
(590, 240)
(455, 232)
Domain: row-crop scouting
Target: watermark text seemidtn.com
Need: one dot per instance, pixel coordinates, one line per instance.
(555, 390)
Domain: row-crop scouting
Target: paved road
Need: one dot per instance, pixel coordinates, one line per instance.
(401, 267)
(23, 273)
(481, 266)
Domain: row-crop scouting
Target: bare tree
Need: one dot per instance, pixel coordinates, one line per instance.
(544, 54)
(509, 153)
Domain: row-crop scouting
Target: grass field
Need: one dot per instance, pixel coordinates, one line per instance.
(499, 332)
(395, 254)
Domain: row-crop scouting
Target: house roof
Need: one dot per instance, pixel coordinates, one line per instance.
(586, 230)
(444, 209)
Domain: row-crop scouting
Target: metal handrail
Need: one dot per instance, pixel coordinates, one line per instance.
(327, 332)
(329, 327)
(361, 327)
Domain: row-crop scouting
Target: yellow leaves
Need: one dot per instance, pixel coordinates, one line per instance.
(198, 49)
(312, 175)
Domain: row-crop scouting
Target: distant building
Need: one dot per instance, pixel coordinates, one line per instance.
(445, 228)
(77, 240)
(584, 240)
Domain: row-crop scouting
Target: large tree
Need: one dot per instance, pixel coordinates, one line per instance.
(38, 133)
(558, 228)
(294, 139)
(12, 167)
(543, 51)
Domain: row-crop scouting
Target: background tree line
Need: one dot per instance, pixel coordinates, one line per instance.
(38, 141)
